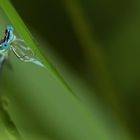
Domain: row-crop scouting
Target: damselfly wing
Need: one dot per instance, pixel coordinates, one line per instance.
(23, 52)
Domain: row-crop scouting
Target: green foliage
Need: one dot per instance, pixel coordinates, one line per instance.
(56, 102)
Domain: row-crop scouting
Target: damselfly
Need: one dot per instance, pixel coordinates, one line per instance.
(18, 46)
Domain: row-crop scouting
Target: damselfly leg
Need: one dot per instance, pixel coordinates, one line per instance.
(3, 59)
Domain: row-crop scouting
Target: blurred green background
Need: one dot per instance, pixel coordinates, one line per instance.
(95, 47)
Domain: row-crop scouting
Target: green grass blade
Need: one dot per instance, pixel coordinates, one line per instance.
(24, 33)
(40, 106)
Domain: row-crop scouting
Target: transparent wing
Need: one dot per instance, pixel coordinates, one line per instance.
(23, 52)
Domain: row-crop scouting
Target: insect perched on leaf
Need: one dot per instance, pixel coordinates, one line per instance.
(18, 46)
